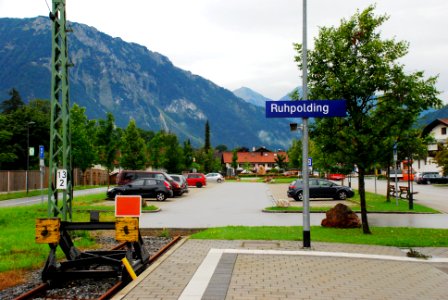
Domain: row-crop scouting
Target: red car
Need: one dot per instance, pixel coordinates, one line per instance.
(196, 179)
(335, 176)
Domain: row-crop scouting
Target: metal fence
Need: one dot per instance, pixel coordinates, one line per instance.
(12, 181)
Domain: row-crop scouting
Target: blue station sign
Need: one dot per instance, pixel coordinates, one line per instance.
(306, 109)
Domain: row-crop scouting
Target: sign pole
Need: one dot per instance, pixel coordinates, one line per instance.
(42, 171)
(305, 173)
(396, 175)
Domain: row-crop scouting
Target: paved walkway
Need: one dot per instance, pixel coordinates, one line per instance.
(214, 269)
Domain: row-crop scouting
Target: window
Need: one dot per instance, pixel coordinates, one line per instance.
(443, 130)
(150, 182)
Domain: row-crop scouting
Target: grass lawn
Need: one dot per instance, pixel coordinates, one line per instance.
(16, 195)
(375, 203)
(385, 236)
(17, 226)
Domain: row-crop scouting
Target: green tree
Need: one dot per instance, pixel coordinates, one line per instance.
(442, 158)
(295, 155)
(221, 148)
(7, 151)
(173, 154)
(107, 142)
(32, 119)
(352, 62)
(207, 144)
(235, 160)
(155, 151)
(280, 160)
(83, 150)
(12, 104)
(133, 149)
(187, 155)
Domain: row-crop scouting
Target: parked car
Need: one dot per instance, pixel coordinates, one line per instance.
(432, 178)
(214, 177)
(336, 176)
(319, 188)
(145, 187)
(418, 176)
(182, 182)
(126, 176)
(196, 179)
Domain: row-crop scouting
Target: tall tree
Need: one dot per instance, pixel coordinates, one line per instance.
(207, 144)
(107, 141)
(13, 103)
(187, 155)
(295, 155)
(83, 151)
(352, 62)
(156, 151)
(235, 160)
(7, 151)
(133, 150)
(173, 154)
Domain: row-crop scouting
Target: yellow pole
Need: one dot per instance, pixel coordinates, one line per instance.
(129, 268)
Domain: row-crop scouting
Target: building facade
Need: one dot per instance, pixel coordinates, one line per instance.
(438, 130)
(257, 161)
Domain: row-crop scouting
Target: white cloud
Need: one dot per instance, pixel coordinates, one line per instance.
(249, 42)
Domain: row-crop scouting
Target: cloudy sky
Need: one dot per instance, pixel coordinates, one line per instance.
(238, 43)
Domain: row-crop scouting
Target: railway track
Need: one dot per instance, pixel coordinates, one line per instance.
(93, 288)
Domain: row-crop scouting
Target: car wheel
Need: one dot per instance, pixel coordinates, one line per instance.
(160, 196)
(428, 182)
(198, 184)
(219, 180)
(298, 196)
(342, 195)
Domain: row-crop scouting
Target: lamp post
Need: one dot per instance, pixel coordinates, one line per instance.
(28, 151)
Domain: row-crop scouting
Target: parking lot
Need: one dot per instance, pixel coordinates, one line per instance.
(242, 203)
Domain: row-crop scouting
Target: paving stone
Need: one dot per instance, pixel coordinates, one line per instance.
(265, 276)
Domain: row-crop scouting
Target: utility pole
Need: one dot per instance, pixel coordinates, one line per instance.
(60, 158)
(305, 173)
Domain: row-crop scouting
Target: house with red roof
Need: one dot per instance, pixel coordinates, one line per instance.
(258, 161)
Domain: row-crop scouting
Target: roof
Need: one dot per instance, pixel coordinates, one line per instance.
(434, 124)
(254, 157)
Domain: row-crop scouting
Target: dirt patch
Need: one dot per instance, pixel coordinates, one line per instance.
(12, 278)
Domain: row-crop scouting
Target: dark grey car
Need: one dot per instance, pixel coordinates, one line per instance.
(432, 178)
(145, 187)
(319, 188)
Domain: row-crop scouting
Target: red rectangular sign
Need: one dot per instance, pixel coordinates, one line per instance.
(128, 206)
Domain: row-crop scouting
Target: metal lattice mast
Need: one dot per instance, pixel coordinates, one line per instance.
(60, 164)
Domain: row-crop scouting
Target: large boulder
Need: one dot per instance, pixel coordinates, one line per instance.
(341, 216)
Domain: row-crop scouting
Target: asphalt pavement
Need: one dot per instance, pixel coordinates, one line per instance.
(242, 203)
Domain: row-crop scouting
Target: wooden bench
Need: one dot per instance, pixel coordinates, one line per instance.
(391, 190)
(404, 190)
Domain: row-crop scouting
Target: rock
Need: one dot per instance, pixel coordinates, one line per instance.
(341, 216)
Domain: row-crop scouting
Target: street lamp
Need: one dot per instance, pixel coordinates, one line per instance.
(28, 151)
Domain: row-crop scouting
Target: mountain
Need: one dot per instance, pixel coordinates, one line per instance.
(431, 115)
(127, 79)
(288, 96)
(251, 96)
